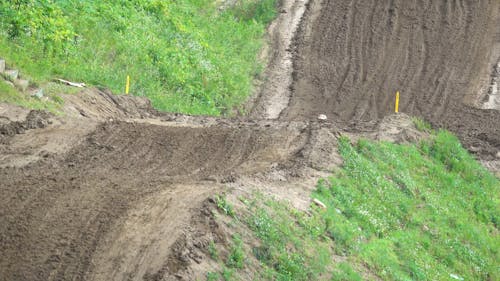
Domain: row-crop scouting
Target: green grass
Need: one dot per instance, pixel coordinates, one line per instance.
(212, 250)
(398, 212)
(415, 212)
(186, 56)
(236, 257)
(224, 206)
(422, 125)
(11, 95)
(212, 276)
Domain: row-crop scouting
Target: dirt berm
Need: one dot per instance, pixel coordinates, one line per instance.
(56, 208)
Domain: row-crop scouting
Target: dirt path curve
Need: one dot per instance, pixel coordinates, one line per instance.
(97, 208)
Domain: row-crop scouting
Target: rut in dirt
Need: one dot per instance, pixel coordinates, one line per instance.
(352, 56)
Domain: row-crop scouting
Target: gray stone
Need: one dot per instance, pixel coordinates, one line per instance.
(11, 74)
(2, 65)
(38, 93)
(22, 84)
(498, 155)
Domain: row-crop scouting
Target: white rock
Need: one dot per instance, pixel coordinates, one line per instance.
(322, 117)
(38, 94)
(319, 203)
(2, 66)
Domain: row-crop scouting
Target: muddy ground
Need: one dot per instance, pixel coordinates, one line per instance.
(114, 190)
(350, 57)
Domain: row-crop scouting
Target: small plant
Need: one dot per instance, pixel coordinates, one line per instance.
(57, 99)
(422, 125)
(344, 272)
(212, 276)
(212, 250)
(227, 274)
(236, 255)
(224, 206)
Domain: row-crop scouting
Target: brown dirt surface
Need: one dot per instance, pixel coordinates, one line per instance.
(89, 199)
(114, 190)
(55, 211)
(352, 56)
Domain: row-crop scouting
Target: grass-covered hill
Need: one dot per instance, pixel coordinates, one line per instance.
(190, 56)
(424, 211)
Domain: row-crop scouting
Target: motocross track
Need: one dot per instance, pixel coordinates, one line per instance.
(114, 190)
(352, 56)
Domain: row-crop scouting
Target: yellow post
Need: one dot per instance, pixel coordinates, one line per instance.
(127, 86)
(396, 109)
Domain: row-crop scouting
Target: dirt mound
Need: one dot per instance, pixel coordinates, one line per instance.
(34, 120)
(58, 211)
(104, 105)
(352, 56)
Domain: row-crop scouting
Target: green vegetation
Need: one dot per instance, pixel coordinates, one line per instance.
(224, 206)
(422, 125)
(344, 271)
(396, 212)
(212, 276)
(236, 257)
(212, 250)
(11, 95)
(187, 56)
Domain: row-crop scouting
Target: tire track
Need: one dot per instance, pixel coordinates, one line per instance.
(355, 57)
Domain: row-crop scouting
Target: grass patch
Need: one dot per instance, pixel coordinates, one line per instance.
(344, 272)
(186, 56)
(212, 276)
(422, 125)
(236, 257)
(396, 212)
(9, 94)
(212, 251)
(224, 206)
(415, 212)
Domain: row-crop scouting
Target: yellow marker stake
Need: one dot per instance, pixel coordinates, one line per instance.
(127, 87)
(396, 109)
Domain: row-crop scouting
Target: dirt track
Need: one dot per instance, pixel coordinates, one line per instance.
(56, 210)
(110, 191)
(352, 56)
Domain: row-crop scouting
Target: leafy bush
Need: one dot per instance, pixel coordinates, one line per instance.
(43, 21)
(186, 56)
(212, 276)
